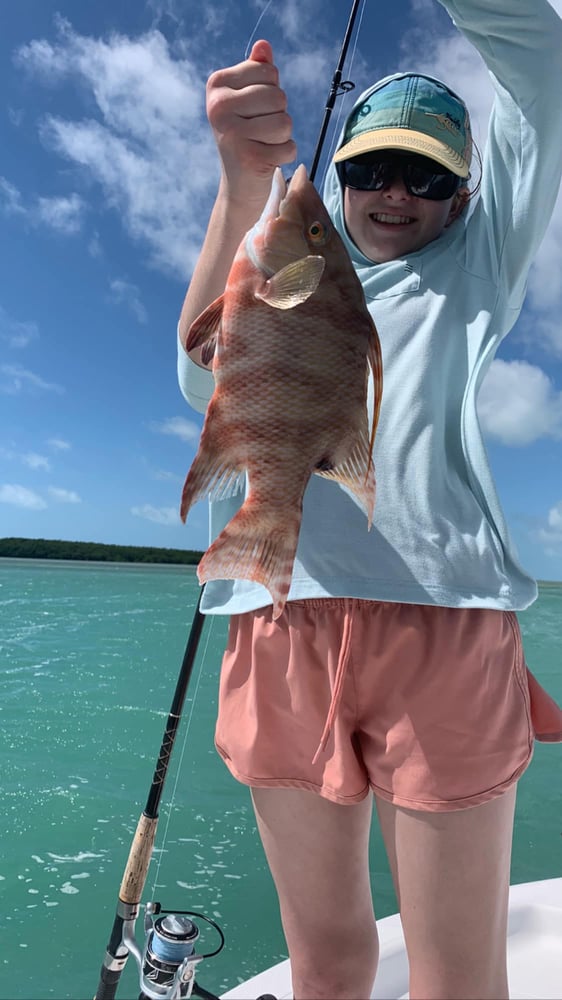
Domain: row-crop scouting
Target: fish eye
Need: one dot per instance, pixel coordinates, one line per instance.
(317, 232)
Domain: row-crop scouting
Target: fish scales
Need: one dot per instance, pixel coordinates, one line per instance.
(293, 341)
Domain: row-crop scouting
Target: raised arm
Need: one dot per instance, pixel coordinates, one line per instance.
(248, 113)
(521, 43)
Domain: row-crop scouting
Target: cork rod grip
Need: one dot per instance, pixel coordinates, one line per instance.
(138, 861)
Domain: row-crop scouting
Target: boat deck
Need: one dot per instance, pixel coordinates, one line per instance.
(534, 952)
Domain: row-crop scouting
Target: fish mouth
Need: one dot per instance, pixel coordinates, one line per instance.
(288, 208)
(279, 236)
(262, 237)
(277, 195)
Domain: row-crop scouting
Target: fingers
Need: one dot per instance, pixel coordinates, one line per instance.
(247, 110)
(251, 71)
(262, 52)
(270, 128)
(226, 105)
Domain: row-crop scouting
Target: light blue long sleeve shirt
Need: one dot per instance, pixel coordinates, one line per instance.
(439, 534)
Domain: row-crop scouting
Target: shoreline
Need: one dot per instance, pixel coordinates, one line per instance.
(99, 552)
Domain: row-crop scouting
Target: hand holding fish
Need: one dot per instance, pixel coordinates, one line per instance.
(247, 110)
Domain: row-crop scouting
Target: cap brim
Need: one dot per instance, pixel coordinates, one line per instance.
(414, 142)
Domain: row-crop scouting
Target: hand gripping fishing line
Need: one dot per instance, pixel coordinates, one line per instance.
(168, 960)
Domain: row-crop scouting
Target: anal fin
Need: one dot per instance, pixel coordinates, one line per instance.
(357, 473)
(209, 477)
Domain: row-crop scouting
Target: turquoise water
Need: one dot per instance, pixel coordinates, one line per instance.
(89, 660)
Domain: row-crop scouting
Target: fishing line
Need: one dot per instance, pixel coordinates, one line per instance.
(342, 104)
(254, 32)
(181, 756)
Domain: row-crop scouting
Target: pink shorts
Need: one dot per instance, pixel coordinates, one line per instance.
(427, 706)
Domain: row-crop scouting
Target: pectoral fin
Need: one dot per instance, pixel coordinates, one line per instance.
(294, 283)
(204, 331)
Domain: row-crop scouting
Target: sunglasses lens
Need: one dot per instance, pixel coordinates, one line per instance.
(418, 173)
(364, 175)
(424, 183)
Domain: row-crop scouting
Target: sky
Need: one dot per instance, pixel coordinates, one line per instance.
(107, 177)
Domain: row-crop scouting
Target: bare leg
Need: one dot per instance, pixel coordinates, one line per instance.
(318, 856)
(451, 873)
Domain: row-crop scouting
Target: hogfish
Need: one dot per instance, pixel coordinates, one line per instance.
(291, 341)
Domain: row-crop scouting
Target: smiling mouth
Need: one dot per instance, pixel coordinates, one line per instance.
(393, 220)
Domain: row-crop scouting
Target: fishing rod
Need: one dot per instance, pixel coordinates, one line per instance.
(337, 88)
(167, 963)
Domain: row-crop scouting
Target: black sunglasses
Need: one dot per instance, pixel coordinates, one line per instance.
(422, 176)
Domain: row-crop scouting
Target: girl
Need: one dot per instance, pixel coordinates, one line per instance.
(406, 638)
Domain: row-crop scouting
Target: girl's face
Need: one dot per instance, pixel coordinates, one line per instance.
(392, 223)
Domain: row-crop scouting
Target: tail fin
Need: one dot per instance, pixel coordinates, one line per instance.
(252, 547)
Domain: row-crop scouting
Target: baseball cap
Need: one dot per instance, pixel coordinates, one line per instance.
(414, 113)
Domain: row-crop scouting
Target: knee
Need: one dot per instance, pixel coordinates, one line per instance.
(336, 970)
(333, 984)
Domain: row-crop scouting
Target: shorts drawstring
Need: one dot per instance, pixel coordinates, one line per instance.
(341, 670)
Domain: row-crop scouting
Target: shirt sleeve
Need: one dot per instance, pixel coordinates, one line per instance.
(196, 383)
(521, 44)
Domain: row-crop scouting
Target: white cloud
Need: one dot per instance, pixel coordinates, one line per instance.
(17, 379)
(555, 518)
(168, 516)
(518, 404)
(63, 214)
(11, 198)
(149, 148)
(187, 430)
(95, 248)
(17, 333)
(550, 535)
(296, 21)
(58, 444)
(129, 295)
(64, 496)
(16, 116)
(543, 329)
(35, 461)
(20, 496)
(163, 475)
(172, 9)
(144, 139)
(308, 71)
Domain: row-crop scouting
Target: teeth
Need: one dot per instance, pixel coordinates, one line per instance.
(396, 219)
